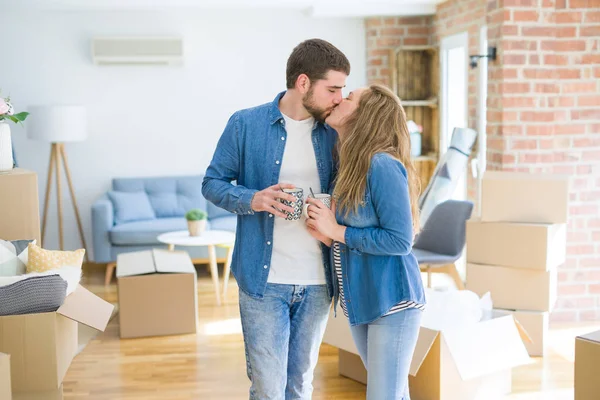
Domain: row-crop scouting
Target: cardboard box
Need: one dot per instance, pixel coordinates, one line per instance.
(157, 293)
(587, 359)
(48, 395)
(533, 246)
(466, 363)
(5, 390)
(351, 366)
(43, 345)
(524, 197)
(536, 324)
(514, 288)
(19, 205)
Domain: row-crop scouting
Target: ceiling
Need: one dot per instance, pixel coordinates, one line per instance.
(314, 8)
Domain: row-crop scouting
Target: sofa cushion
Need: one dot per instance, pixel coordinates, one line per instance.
(224, 223)
(131, 206)
(145, 232)
(169, 196)
(41, 260)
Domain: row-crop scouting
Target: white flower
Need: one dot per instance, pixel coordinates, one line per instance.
(4, 107)
(11, 109)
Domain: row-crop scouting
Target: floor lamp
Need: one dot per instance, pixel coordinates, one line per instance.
(58, 125)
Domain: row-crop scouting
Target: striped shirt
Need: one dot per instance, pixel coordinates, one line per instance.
(337, 262)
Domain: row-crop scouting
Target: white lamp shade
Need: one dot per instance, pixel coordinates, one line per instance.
(57, 124)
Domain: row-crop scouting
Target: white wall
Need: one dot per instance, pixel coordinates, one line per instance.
(150, 121)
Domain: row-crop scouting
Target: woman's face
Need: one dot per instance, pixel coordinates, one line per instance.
(344, 110)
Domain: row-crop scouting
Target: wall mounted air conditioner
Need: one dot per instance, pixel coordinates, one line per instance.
(137, 50)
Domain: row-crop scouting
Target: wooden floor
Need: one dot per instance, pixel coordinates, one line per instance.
(210, 365)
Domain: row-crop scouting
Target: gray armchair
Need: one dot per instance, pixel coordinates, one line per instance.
(442, 239)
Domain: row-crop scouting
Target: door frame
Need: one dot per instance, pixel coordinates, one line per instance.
(448, 43)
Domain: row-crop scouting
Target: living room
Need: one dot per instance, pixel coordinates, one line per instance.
(126, 103)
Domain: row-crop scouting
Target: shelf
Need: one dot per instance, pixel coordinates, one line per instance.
(424, 158)
(415, 48)
(432, 103)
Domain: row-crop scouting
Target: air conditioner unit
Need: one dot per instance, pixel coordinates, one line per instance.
(137, 50)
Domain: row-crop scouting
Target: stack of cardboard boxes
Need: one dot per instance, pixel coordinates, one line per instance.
(39, 347)
(515, 248)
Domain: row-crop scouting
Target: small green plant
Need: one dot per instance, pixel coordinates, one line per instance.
(196, 215)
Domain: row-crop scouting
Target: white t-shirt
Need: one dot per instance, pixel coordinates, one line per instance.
(297, 258)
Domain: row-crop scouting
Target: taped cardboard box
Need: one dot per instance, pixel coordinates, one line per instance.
(524, 197)
(5, 387)
(587, 359)
(463, 363)
(514, 288)
(19, 205)
(43, 345)
(152, 284)
(531, 246)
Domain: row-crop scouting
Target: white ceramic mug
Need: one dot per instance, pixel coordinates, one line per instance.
(323, 198)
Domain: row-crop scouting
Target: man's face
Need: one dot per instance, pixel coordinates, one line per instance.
(324, 95)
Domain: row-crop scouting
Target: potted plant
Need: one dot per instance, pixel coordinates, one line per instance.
(196, 220)
(7, 113)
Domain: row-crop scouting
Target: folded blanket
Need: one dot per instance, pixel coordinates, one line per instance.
(72, 275)
(38, 294)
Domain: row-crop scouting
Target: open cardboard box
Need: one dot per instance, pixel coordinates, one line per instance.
(468, 362)
(152, 285)
(536, 323)
(5, 391)
(473, 362)
(43, 345)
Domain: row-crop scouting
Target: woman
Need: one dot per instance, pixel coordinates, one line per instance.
(370, 230)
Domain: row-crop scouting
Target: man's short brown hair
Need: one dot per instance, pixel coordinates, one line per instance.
(315, 57)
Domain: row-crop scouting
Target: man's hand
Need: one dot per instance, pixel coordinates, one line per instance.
(266, 200)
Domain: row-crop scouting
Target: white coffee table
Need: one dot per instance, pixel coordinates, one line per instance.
(210, 239)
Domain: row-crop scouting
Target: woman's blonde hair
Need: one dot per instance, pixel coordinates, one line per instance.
(378, 125)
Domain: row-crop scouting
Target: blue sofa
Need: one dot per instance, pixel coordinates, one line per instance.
(115, 232)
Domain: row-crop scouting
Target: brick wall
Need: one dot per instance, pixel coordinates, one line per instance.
(388, 33)
(543, 108)
(548, 119)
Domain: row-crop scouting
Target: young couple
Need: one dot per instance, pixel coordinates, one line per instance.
(358, 252)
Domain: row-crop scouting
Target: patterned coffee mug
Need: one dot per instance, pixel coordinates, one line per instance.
(298, 193)
(323, 198)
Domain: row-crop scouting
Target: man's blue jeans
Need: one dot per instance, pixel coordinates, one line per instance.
(282, 335)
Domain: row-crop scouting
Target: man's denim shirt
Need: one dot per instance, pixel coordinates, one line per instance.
(250, 153)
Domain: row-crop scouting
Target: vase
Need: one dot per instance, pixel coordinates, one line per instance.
(6, 155)
(196, 228)
(415, 144)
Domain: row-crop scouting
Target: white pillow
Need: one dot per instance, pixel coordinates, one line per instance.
(71, 274)
(13, 257)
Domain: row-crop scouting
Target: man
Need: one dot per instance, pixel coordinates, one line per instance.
(282, 272)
